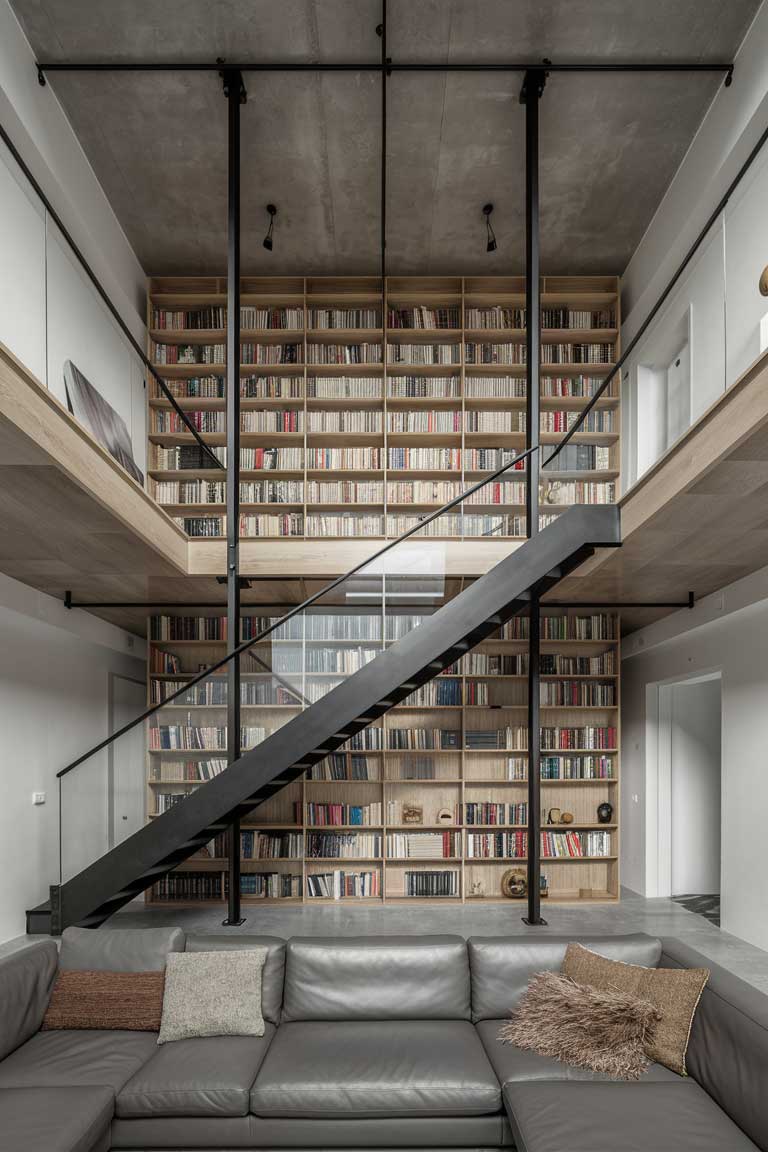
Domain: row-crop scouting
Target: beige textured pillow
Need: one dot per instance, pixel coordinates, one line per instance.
(603, 1031)
(674, 992)
(212, 994)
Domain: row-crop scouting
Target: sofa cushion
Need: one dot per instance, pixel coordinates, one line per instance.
(209, 1076)
(642, 1117)
(26, 980)
(376, 1068)
(377, 978)
(118, 949)
(728, 1047)
(274, 968)
(60, 1059)
(429, 1133)
(514, 1064)
(55, 1119)
(131, 1001)
(501, 966)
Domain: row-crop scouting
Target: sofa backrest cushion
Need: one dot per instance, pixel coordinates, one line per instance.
(26, 981)
(274, 968)
(728, 1047)
(501, 966)
(377, 978)
(118, 949)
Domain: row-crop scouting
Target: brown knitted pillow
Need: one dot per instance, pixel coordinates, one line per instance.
(129, 1000)
(603, 1031)
(674, 993)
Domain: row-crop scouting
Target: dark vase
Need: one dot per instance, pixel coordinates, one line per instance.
(604, 813)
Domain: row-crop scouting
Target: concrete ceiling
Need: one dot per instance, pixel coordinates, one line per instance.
(311, 142)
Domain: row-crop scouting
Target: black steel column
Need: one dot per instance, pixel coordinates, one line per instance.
(530, 94)
(234, 90)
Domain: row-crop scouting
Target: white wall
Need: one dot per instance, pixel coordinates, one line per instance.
(55, 669)
(49, 310)
(726, 633)
(695, 787)
(718, 294)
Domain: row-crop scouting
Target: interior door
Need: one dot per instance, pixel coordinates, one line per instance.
(127, 768)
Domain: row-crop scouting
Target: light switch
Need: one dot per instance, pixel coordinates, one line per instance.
(38, 797)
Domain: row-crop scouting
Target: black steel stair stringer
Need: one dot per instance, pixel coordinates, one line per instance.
(122, 873)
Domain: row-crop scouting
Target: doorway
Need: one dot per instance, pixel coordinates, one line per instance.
(126, 767)
(688, 787)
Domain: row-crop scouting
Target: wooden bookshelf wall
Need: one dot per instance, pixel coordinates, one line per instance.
(384, 405)
(468, 772)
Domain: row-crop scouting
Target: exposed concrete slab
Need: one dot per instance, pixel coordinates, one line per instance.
(610, 144)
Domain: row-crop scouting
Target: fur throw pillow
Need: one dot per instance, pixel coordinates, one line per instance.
(604, 1031)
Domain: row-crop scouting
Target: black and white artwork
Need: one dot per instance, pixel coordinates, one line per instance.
(89, 407)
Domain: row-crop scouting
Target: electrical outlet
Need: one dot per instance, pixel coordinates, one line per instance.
(38, 797)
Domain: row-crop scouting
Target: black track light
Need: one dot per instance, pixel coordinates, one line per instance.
(268, 238)
(490, 245)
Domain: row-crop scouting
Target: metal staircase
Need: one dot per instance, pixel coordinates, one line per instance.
(89, 897)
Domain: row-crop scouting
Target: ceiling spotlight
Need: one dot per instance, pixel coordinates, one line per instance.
(268, 238)
(490, 245)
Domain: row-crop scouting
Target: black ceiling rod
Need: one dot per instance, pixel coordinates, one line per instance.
(236, 96)
(530, 94)
(597, 67)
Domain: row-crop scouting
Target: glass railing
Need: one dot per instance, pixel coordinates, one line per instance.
(285, 665)
(709, 330)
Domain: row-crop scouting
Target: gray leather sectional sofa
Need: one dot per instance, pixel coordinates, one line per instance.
(375, 1042)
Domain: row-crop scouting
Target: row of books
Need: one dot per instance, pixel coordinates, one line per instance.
(577, 694)
(215, 316)
(588, 737)
(575, 626)
(343, 353)
(431, 883)
(555, 664)
(188, 354)
(353, 845)
(338, 766)
(340, 885)
(498, 316)
(572, 458)
(186, 771)
(212, 693)
(320, 815)
(563, 492)
(491, 812)
(339, 525)
(439, 693)
(496, 845)
(423, 353)
(577, 768)
(423, 845)
(188, 737)
(346, 420)
(481, 739)
(575, 844)
(422, 317)
(330, 318)
(600, 421)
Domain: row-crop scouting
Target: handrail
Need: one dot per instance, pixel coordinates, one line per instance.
(456, 499)
(105, 298)
(246, 644)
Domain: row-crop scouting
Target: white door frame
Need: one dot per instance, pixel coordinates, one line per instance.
(658, 779)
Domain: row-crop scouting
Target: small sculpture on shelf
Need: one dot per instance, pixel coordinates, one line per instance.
(477, 889)
(566, 818)
(413, 814)
(445, 816)
(514, 884)
(604, 812)
(553, 816)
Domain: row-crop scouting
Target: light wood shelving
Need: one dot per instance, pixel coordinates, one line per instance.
(433, 778)
(452, 409)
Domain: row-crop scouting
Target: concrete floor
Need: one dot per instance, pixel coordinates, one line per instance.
(633, 914)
